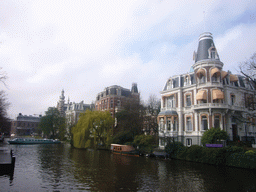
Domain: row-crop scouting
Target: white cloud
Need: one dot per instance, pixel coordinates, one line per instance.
(83, 46)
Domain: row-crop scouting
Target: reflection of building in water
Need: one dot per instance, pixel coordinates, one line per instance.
(25, 125)
(206, 97)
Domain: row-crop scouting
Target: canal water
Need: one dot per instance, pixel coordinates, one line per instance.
(62, 168)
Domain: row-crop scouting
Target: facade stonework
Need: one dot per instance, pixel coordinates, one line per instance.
(113, 98)
(71, 110)
(25, 125)
(204, 98)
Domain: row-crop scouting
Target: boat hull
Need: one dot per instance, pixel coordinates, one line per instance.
(131, 153)
(127, 150)
(33, 141)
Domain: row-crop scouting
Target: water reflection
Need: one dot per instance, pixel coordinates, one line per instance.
(62, 168)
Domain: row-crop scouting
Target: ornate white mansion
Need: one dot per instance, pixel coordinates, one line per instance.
(204, 98)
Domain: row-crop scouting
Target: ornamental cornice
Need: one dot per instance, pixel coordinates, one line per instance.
(207, 63)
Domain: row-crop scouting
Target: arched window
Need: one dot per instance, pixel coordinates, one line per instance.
(189, 142)
(201, 75)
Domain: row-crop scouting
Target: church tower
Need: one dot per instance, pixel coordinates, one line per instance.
(61, 104)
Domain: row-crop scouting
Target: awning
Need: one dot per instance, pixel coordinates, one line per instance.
(233, 78)
(217, 94)
(201, 95)
(223, 74)
(200, 72)
(168, 95)
(215, 71)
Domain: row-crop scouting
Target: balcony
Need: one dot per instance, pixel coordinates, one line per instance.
(210, 84)
(168, 108)
(210, 105)
(218, 106)
(168, 134)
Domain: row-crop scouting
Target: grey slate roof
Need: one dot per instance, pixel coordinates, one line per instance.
(205, 42)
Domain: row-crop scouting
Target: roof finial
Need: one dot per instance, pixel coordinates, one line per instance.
(204, 21)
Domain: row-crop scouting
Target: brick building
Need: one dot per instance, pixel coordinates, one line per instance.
(113, 98)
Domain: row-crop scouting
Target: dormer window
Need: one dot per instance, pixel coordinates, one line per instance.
(186, 81)
(212, 53)
(169, 85)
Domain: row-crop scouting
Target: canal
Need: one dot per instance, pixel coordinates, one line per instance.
(62, 168)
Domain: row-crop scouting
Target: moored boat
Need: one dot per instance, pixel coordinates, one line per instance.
(26, 141)
(124, 150)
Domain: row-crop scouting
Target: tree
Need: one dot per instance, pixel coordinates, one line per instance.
(4, 104)
(152, 108)
(53, 124)
(213, 135)
(4, 120)
(248, 68)
(145, 143)
(93, 127)
(130, 120)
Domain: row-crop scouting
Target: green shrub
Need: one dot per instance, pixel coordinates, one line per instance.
(174, 148)
(194, 153)
(182, 153)
(235, 149)
(230, 156)
(213, 135)
(243, 160)
(250, 152)
(144, 142)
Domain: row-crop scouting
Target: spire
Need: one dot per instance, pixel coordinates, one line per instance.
(206, 48)
(134, 88)
(62, 97)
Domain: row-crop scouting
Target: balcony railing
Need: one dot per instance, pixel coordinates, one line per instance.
(168, 108)
(208, 84)
(168, 134)
(209, 105)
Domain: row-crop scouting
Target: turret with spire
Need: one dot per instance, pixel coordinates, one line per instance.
(61, 103)
(206, 53)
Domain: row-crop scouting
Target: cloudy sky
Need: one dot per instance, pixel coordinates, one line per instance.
(84, 46)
